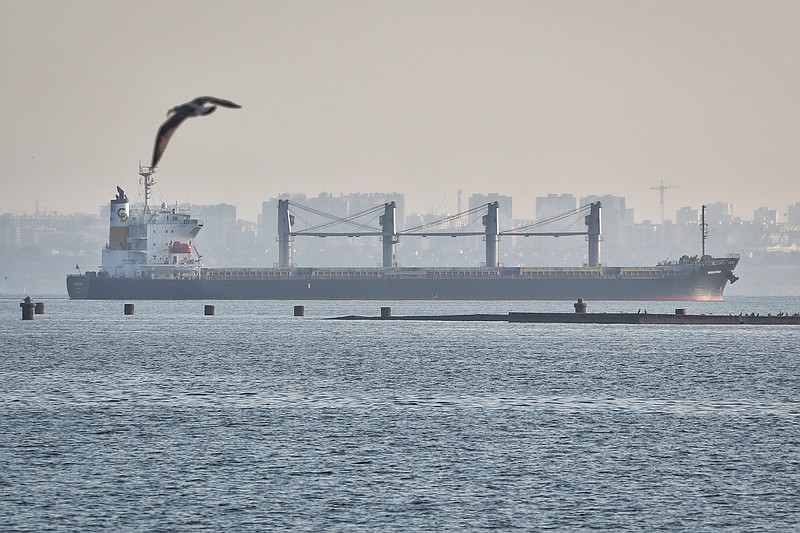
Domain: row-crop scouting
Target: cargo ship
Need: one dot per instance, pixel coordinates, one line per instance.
(150, 255)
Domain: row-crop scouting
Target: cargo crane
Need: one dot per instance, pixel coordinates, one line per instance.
(663, 188)
(390, 236)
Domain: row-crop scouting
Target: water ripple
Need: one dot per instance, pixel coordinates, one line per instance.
(253, 399)
(255, 420)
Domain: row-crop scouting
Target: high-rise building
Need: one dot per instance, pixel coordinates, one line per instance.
(217, 239)
(505, 214)
(548, 250)
(793, 215)
(686, 215)
(719, 213)
(554, 204)
(615, 219)
(764, 215)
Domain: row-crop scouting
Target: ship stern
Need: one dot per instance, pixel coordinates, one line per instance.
(78, 286)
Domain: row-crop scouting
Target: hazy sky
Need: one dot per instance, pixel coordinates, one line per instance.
(420, 97)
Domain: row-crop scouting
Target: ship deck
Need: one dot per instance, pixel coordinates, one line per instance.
(451, 273)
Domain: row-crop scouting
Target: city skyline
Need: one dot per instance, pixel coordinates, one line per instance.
(37, 250)
(425, 97)
(785, 212)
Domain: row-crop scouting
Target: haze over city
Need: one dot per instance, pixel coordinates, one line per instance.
(423, 98)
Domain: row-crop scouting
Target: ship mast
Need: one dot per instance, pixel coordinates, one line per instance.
(149, 181)
(703, 229)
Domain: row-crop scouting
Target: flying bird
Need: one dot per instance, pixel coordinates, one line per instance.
(179, 113)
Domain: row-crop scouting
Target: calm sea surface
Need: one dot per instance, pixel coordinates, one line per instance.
(254, 419)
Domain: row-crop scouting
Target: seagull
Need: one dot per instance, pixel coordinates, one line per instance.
(195, 108)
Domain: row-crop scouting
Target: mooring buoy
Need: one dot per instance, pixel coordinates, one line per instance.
(28, 308)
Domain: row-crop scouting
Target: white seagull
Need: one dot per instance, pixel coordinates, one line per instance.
(195, 108)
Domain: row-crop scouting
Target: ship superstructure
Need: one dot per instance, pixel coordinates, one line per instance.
(149, 243)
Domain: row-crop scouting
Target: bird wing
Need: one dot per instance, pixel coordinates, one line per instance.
(200, 100)
(165, 132)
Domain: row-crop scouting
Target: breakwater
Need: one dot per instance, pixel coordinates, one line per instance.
(602, 318)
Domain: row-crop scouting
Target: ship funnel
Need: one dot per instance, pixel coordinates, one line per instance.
(118, 213)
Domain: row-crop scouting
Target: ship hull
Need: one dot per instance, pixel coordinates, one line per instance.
(693, 283)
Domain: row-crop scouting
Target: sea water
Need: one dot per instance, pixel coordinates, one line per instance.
(254, 419)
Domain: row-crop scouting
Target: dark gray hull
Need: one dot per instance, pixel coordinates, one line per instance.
(665, 282)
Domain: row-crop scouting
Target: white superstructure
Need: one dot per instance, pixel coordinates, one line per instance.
(156, 243)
